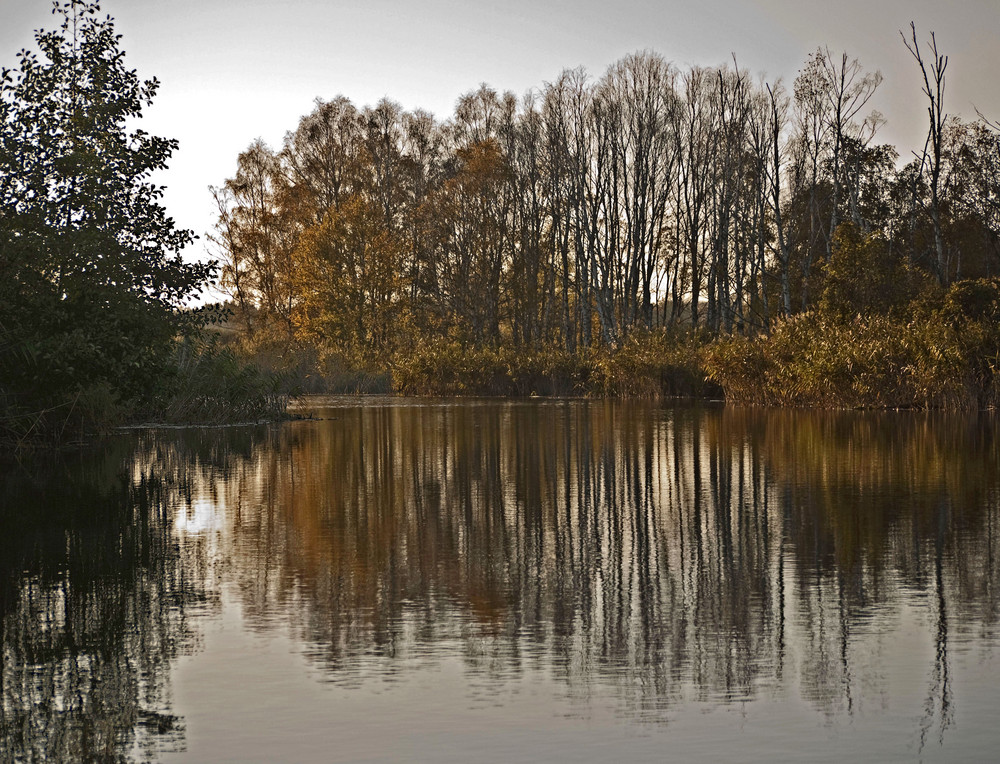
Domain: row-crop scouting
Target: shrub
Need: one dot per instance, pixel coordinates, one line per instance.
(211, 384)
(944, 354)
(647, 364)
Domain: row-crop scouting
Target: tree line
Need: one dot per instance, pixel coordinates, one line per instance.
(650, 197)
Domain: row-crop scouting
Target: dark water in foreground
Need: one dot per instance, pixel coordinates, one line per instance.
(509, 581)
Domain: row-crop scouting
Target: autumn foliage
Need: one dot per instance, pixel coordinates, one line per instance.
(550, 242)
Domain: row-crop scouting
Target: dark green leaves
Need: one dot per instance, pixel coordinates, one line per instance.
(91, 277)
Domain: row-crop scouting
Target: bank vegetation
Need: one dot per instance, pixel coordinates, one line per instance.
(655, 230)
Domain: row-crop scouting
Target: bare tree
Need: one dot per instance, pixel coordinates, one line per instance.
(847, 91)
(778, 107)
(573, 193)
(697, 136)
(933, 75)
(640, 99)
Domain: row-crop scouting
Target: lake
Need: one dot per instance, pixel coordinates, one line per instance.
(508, 580)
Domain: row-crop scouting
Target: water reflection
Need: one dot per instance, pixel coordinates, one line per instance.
(93, 596)
(654, 556)
(672, 554)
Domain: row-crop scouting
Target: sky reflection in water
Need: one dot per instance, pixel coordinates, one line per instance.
(533, 580)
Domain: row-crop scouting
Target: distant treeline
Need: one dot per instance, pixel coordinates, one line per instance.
(588, 209)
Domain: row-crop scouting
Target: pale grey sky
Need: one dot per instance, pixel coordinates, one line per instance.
(234, 71)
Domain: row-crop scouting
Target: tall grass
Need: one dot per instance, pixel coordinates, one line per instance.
(307, 368)
(646, 365)
(943, 352)
(204, 383)
(211, 384)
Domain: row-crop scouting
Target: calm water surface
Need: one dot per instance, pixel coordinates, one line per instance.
(439, 581)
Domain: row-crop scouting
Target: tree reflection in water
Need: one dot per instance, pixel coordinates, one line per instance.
(674, 554)
(93, 593)
(668, 554)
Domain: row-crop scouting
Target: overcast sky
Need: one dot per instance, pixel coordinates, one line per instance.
(234, 71)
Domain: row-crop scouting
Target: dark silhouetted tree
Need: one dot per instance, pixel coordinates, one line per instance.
(90, 269)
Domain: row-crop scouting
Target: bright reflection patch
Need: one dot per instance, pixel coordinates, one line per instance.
(198, 517)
